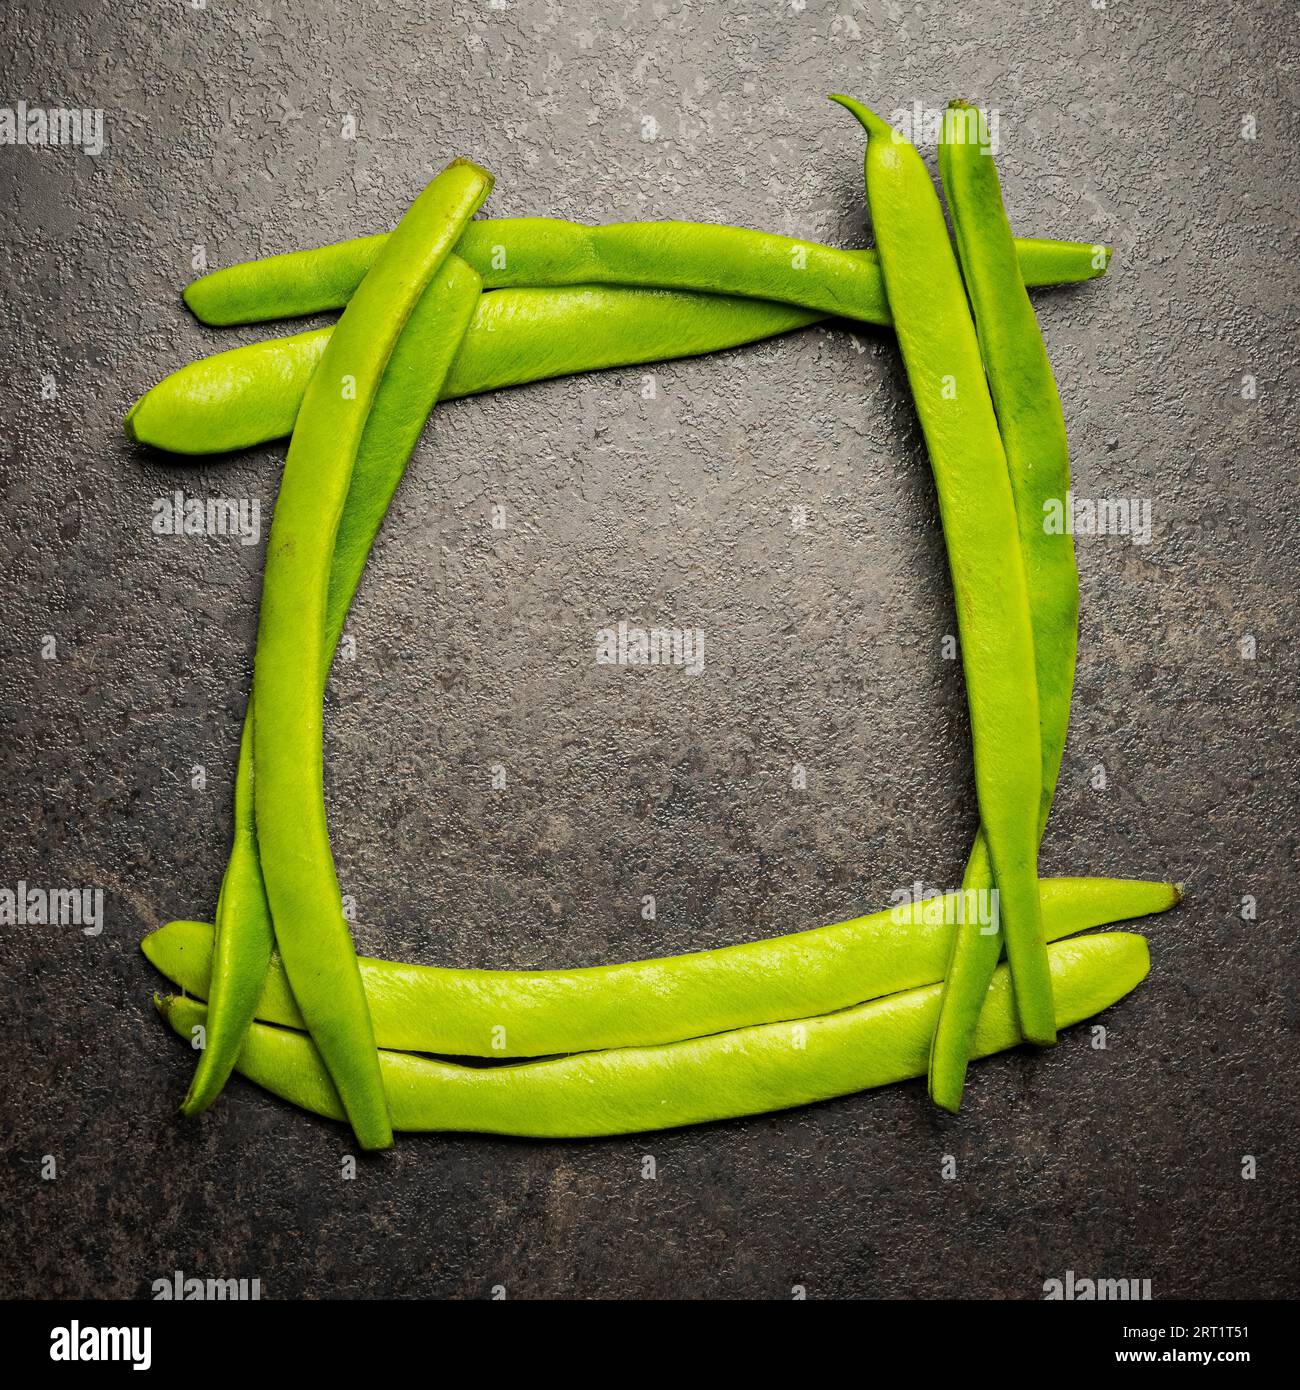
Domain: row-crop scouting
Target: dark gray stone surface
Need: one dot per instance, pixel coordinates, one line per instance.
(1121, 123)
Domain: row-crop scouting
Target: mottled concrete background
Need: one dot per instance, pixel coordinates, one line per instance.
(223, 126)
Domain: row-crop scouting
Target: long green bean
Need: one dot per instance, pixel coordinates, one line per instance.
(243, 937)
(528, 252)
(250, 395)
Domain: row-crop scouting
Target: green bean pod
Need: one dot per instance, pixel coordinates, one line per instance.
(1032, 426)
(534, 1013)
(292, 834)
(529, 252)
(242, 942)
(942, 356)
(629, 1090)
(249, 395)
(243, 933)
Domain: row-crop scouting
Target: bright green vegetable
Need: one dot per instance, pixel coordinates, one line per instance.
(407, 392)
(942, 357)
(536, 251)
(252, 394)
(242, 940)
(288, 687)
(746, 1072)
(1033, 434)
(533, 1013)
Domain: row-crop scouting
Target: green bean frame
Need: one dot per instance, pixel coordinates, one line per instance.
(288, 688)
(941, 353)
(630, 1090)
(532, 1013)
(528, 252)
(407, 392)
(655, 1043)
(1033, 434)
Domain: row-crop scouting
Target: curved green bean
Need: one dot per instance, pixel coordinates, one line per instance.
(745, 1072)
(243, 937)
(530, 252)
(292, 834)
(942, 357)
(407, 392)
(1032, 426)
(249, 395)
(533, 1013)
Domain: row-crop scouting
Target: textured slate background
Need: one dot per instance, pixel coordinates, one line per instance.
(1121, 123)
